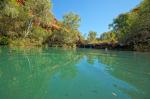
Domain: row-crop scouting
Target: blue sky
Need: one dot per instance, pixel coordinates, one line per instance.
(95, 15)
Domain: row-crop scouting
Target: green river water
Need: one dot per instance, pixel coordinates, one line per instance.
(50, 73)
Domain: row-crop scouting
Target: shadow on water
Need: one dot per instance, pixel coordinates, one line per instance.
(51, 73)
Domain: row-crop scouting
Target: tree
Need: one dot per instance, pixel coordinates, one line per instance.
(133, 28)
(140, 26)
(92, 36)
(9, 13)
(71, 21)
(120, 26)
(19, 20)
(109, 37)
(38, 10)
(68, 34)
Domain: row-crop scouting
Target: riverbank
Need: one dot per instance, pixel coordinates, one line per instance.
(117, 46)
(141, 47)
(105, 46)
(109, 46)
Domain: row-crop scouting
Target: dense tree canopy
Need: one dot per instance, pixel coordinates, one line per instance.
(31, 22)
(109, 37)
(92, 36)
(133, 28)
(68, 34)
(120, 26)
(18, 21)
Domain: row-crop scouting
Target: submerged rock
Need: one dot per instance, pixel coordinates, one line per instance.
(114, 94)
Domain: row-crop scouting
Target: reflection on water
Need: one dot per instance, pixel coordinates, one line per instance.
(51, 73)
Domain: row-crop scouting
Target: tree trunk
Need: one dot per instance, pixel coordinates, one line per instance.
(28, 28)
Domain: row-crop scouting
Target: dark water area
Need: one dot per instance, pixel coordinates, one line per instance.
(55, 73)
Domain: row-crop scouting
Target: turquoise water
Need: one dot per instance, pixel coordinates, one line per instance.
(51, 73)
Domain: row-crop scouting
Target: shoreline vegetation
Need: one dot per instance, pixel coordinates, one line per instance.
(32, 23)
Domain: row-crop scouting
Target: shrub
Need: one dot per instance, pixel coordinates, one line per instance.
(3, 40)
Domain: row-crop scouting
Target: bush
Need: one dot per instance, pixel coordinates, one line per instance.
(3, 40)
(39, 33)
(25, 42)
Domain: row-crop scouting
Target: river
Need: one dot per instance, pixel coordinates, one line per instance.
(55, 73)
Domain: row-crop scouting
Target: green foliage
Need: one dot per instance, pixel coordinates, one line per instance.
(68, 35)
(9, 8)
(140, 26)
(92, 36)
(39, 8)
(109, 37)
(120, 26)
(133, 28)
(18, 22)
(24, 42)
(30, 24)
(71, 24)
(9, 13)
(39, 33)
(3, 40)
(71, 21)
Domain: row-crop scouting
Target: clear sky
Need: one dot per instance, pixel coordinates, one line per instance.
(95, 15)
